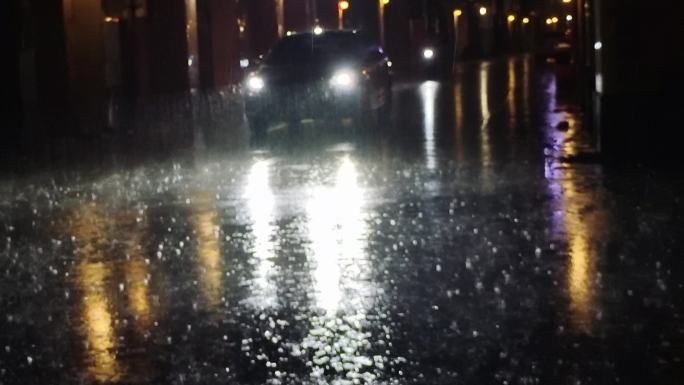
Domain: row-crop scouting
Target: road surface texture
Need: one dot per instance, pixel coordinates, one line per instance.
(467, 241)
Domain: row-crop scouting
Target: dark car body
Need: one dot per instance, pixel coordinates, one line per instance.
(330, 75)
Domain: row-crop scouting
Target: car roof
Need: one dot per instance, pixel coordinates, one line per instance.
(309, 46)
(347, 32)
(332, 34)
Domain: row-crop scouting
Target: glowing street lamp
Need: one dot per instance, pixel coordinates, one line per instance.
(457, 15)
(526, 20)
(381, 21)
(511, 18)
(342, 6)
(568, 18)
(483, 11)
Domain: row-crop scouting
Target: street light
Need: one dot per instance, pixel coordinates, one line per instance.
(381, 15)
(511, 18)
(568, 18)
(483, 11)
(342, 6)
(457, 14)
(526, 20)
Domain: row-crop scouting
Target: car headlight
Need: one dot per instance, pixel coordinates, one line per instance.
(255, 83)
(344, 79)
(428, 53)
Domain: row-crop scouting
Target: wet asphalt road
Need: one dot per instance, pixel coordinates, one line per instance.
(454, 246)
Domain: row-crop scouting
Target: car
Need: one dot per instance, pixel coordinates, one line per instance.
(319, 75)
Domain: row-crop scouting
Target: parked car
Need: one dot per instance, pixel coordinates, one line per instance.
(323, 75)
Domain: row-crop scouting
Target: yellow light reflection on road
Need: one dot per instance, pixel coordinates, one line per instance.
(136, 271)
(484, 93)
(512, 99)
(89, 226)
(512, 84)
(97, 320)
(458, 122)
(261, 206)
(485, 141)
(205, 222)
(572, 221)
(582, 231)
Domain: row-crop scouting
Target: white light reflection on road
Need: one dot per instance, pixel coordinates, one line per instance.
(322, 224)
(428, 94)
(338, 231)
(261, 206)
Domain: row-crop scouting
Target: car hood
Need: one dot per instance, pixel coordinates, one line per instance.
(300, 74)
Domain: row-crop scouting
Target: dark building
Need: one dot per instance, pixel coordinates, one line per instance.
(261, 20)
(219, 44)
(12, 109)
(74, 56)
(638, 79)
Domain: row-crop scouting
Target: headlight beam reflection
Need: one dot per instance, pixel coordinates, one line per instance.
(337, 230)
(261, 206)
(428, 94)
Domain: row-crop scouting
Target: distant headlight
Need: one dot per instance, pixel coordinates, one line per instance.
(255, 83)
(428, 53)
(343, 79)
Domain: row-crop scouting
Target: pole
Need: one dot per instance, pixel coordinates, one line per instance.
(381, 15)
(280, 17)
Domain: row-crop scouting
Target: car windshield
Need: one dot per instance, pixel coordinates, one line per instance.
(309, 48)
